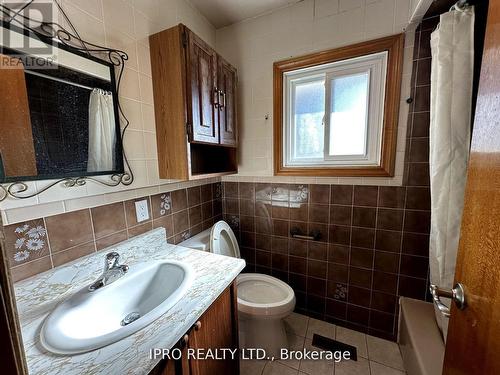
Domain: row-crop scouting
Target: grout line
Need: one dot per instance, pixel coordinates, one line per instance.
(48, 243)
(93, 230)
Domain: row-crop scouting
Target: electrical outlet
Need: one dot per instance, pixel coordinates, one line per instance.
(141, 210)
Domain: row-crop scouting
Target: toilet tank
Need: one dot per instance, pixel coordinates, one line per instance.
(200, 241)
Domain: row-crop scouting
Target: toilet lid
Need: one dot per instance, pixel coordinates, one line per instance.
(223, 241)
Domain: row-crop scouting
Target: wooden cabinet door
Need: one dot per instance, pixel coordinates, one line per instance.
(216, 329)
(227, 81)
(201, 92)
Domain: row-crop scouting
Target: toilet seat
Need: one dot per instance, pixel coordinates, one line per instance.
(264, 295)
(223, 241)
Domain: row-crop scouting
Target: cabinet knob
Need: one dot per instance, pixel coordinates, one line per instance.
(185, 339)
(197, 325)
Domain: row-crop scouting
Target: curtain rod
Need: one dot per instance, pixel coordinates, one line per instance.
(58, 79)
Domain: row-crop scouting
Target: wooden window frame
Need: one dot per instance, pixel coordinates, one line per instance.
(394, 45)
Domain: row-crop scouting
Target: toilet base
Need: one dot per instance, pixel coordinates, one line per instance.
(267, 334)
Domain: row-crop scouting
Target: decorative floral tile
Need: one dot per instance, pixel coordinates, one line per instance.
(233, 221)
(299, 193)
(26, 241)
(340, 292)
(218, 190)
(280, 192)
(162, 204)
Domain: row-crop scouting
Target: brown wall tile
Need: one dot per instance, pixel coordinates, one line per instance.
(179, 200)
(73, 253)
(365, 195)
(319, 194)
(69, 229)
(342, 194)
(108, 219)
(194, 196)
(29, 269)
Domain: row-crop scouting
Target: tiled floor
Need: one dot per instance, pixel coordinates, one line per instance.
(375, 356)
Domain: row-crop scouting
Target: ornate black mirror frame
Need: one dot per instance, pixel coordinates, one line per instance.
(53, 33)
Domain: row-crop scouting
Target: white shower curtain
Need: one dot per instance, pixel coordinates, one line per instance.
(102, 132)
(452, 45)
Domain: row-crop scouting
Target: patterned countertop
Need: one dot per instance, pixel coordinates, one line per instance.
(37, 297)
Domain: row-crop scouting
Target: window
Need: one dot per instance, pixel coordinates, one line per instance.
(336, 111)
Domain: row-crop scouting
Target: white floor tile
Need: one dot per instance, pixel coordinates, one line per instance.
(296, 343)
(321, 328)
(379, 369)
(384, 352)
(296, 324)
(359, 367)
(251, 367)
(354, 338)
(316, 367)
(275, 368)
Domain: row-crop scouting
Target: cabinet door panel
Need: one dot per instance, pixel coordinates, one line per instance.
(202, 66)
(227, 80)
(218, 329)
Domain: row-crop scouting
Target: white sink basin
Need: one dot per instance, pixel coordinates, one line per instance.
(91, 320)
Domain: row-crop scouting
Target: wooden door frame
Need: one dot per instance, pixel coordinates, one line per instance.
(11, 347)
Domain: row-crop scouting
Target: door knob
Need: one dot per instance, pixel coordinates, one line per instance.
(457, 295)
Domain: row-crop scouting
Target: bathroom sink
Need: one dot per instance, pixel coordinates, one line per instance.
(92, 319)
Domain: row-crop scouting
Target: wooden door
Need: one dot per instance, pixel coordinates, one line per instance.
(473, 342)
(227, 81)
(216, 329)
(202, 93)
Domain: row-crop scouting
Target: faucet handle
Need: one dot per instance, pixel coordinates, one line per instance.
(111, 260)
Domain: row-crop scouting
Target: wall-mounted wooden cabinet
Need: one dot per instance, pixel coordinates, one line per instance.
(195, 106)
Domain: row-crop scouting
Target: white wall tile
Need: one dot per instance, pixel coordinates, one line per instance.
(146, 85)
(325, 8)
(92, 7)
(150, 145)
(380, 18)
(16, 215)
(118, 14)
(129, 86)
(133, 143)
(132, 110)
(89, 27)
(350, 4)
(148, 117)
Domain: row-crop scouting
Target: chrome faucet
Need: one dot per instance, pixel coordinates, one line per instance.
(112, 271)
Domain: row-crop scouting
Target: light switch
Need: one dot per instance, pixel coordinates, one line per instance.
(141, 210)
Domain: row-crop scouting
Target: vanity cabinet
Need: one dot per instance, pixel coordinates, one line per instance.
(195, 106)
(217, 328)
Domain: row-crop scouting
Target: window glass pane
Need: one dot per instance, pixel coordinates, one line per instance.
(349, 105)
(309, 110)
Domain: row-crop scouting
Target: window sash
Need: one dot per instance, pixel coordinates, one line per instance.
(376, 66)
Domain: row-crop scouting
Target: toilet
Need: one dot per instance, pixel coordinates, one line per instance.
(263, 301)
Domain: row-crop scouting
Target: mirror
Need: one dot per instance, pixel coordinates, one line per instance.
(58, 110)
